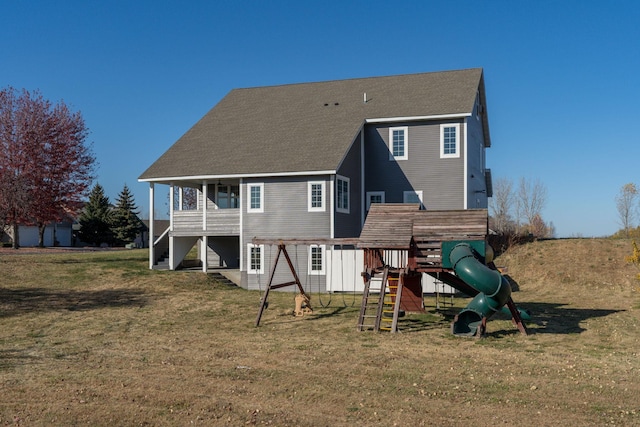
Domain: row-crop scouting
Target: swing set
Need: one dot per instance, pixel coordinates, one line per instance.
(302, 299)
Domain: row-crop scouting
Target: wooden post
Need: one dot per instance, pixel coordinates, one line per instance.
(266, 292)
(516, 318)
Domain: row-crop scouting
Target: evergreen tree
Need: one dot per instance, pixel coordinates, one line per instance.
(125, 221)
(95, 219)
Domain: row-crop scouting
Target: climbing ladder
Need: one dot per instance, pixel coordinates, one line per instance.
(380, 306)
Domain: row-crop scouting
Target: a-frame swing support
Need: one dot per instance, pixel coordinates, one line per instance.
(282, 250)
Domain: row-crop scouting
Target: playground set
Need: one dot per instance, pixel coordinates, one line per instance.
(401, 242)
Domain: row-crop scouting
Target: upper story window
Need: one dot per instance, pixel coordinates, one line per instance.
(315, 196)
(399, 143)
(450, 140)
(316, 259)
(342, 194)
(255, 259)
(255, 197)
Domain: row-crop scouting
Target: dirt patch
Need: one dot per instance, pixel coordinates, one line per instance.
(96, 338)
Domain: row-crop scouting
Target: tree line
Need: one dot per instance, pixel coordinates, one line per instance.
(516, 209)
(46, 164)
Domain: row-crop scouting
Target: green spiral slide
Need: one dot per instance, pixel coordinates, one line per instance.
(493, 289)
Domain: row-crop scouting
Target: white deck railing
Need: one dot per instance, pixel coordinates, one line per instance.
(220, 222)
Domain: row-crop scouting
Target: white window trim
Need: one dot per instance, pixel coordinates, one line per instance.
(374, 193)
(249, 269)
(323, 254)
(407, 194)
(322, 207)
(348, 208)
(249, 187)
(406, 143)
(458, 136)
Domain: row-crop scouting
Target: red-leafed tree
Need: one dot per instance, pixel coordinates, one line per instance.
(15, 167)
(46, 163)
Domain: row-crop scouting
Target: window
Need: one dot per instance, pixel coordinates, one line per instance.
(342, 194)
(413, 197)
(255, 197)
(316, 259)
(227, 196)
(398, 143)
(255, 259)
(316, 196)
(374, 197)
(450, 140)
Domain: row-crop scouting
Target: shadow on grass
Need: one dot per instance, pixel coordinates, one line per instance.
(330, 312)
(27, 300)
(100, 260)
(417, 324)
(550, 318)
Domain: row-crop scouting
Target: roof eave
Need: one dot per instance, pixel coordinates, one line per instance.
(171, 179)
(417, 118)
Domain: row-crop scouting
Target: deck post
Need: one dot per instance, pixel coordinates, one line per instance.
(152, 252)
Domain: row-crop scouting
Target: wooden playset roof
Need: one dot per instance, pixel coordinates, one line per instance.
(392, 226)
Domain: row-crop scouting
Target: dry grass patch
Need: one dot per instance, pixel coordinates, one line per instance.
(98, 339)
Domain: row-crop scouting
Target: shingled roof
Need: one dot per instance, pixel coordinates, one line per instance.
(307, 127)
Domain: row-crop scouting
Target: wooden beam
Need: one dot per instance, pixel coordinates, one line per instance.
(306, 241)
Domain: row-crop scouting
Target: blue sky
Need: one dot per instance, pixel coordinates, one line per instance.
(561, 76)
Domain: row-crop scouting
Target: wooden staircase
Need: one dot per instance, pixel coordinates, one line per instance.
(380, 305)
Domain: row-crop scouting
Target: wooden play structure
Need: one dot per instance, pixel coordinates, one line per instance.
(401, 242)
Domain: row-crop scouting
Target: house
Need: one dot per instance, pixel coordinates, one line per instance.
(307, 160)
(55, 234)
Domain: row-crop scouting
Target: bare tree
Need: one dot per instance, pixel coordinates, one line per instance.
(626, 205)
(539, 228)
(531, 200)
(501, 206)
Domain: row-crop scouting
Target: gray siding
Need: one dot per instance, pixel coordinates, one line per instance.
(285, 216)
(440, 180)
(349, 225)
(476, 191)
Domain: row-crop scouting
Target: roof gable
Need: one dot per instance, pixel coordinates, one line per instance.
(307, 127)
